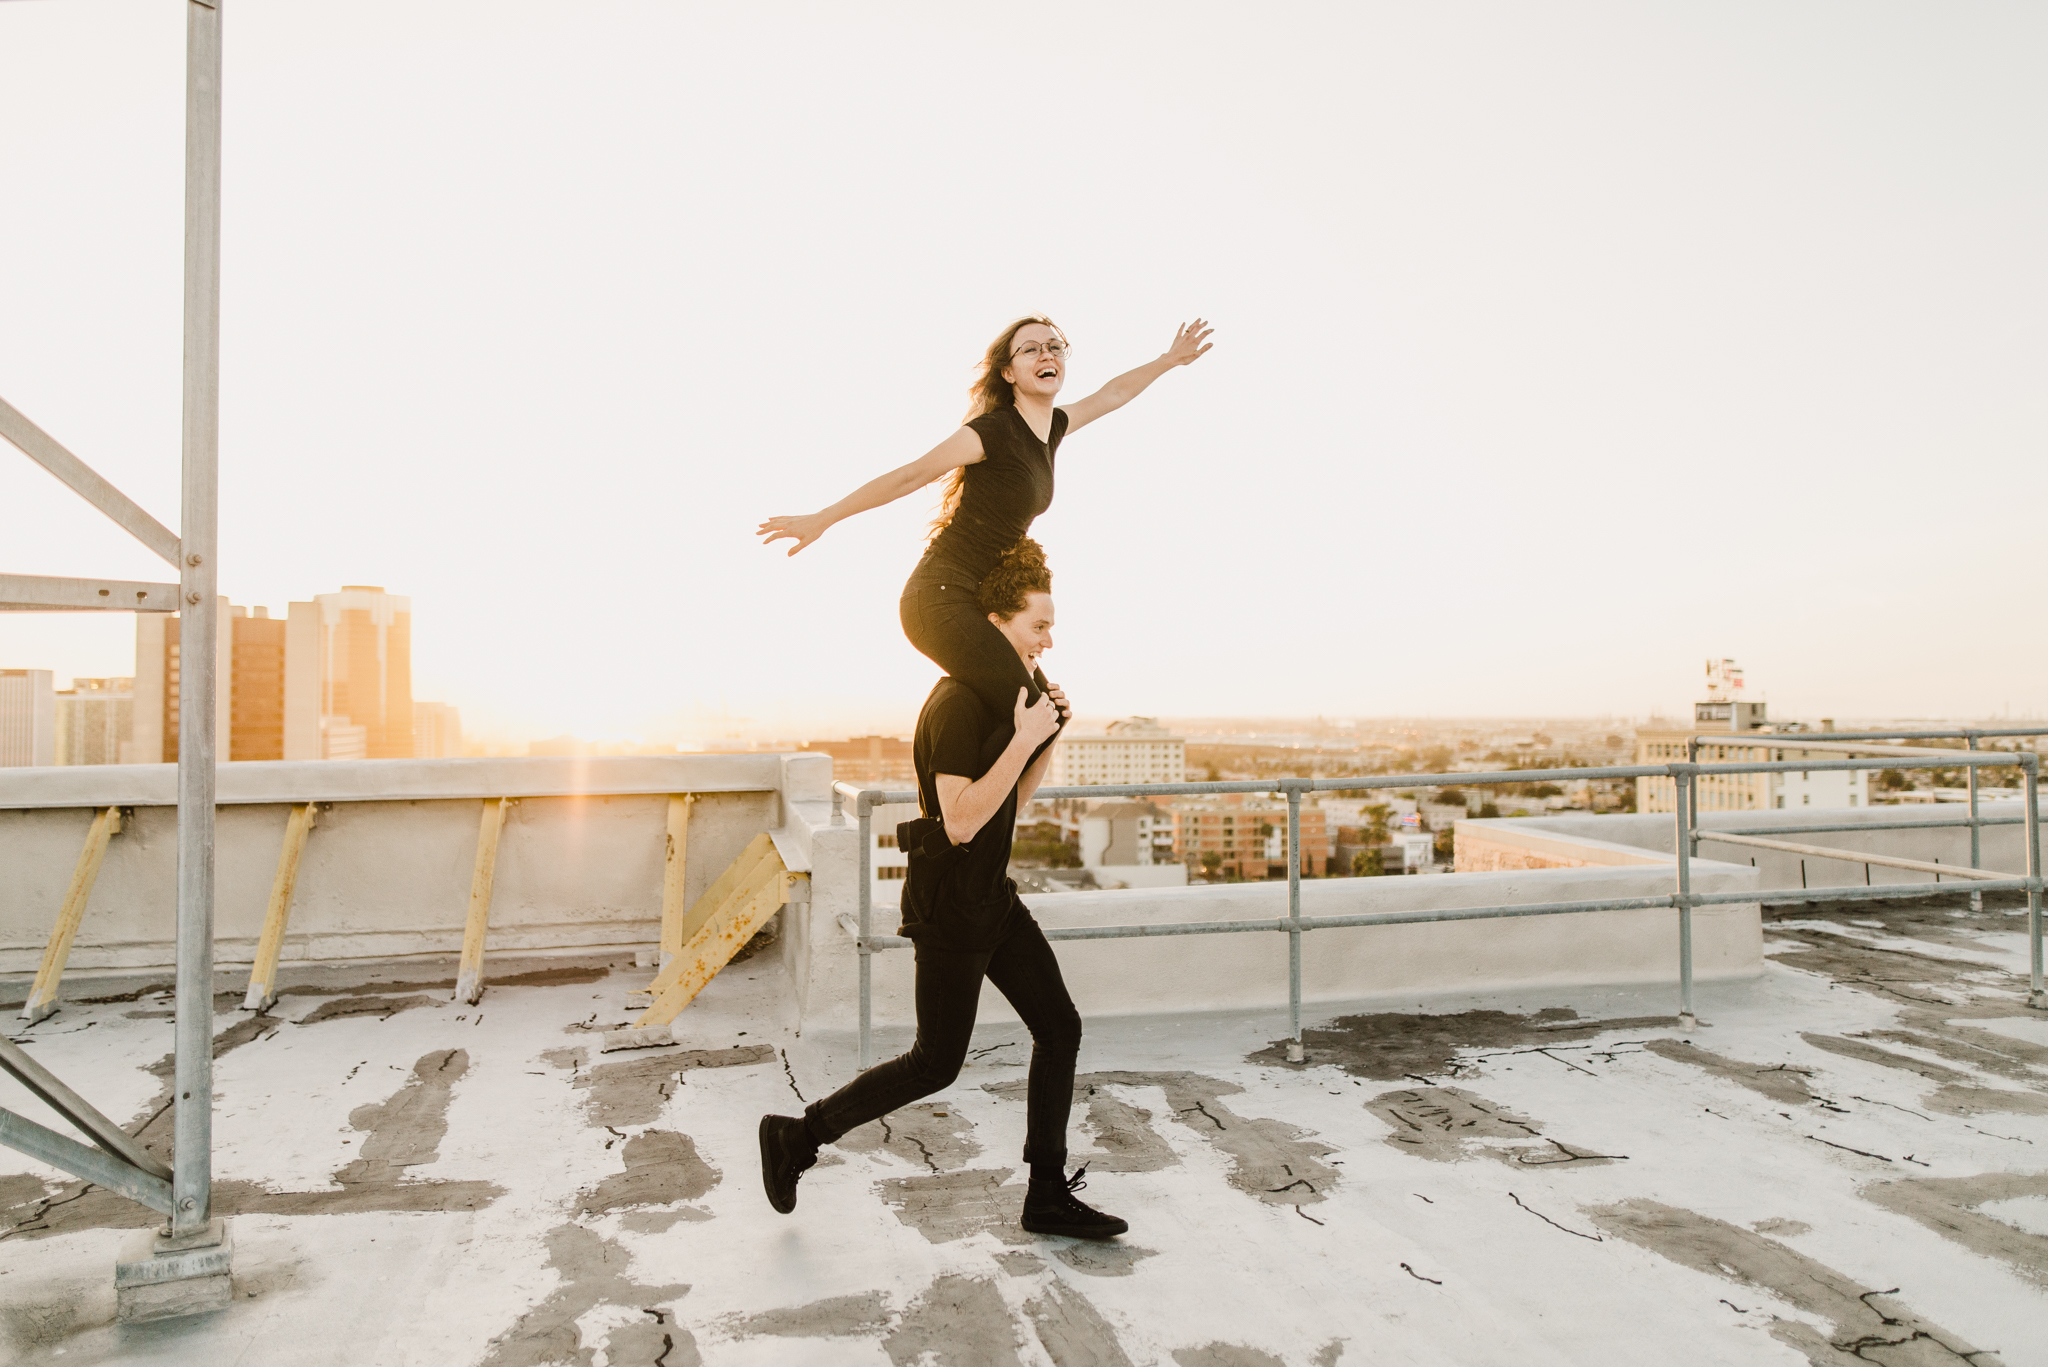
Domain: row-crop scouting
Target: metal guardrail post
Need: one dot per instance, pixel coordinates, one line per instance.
(2037, 994)
(192, 1168)
(1682, 778)
(1295, 1053)
(865, 810)
(1976, 829)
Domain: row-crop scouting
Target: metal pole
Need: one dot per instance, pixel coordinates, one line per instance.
(192, 1171)
(1976, 854)
(1295, 1053)
(2037, 994)
(867, 951)
(1682, 788)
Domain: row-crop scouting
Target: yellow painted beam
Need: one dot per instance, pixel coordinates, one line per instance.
(42, 998)
(263, 974)
(673, 865)
(713, 946)
(469, 979)
(733, 883)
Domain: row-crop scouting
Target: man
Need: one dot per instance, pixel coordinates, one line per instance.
(962, 911)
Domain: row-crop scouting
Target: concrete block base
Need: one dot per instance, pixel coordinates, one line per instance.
(158, 1278)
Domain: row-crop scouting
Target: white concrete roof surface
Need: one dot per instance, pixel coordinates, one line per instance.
(1847, 1162)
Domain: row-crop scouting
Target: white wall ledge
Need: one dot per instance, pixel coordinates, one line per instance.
(408, 780)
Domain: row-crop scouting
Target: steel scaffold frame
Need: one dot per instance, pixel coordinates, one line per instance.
(183, 1191)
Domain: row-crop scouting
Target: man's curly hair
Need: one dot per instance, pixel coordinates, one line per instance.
(1021, 571)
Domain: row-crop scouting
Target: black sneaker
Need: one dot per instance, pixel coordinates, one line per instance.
(786, 1153)
(1052, 1208)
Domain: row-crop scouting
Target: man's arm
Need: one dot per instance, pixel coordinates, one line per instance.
(966, 804)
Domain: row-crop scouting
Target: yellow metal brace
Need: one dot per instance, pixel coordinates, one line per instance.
(469, 979)
(42, 998)
(759, 886)
(263, 973)
(672, 868)
(712, 903)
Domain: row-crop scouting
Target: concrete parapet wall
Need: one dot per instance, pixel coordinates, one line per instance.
(383, 780)
(387, 869)
(2004, 847)
(387, 872)
(1514, 843)
(1236, 971)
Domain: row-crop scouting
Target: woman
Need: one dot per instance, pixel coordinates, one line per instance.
(999, 476)
(962, 912)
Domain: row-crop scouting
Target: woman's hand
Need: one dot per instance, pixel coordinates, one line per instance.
(1190, 344)
(1037, 722)
(804, 529)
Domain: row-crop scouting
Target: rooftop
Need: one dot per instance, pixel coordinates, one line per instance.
(1844, 1163)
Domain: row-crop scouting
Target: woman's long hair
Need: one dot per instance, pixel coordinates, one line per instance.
(1021, 572)
(989, 392)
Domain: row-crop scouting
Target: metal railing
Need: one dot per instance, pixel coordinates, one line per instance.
(1294, 925)
(1970, 735)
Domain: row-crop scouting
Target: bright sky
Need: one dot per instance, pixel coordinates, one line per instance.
(1559, 346)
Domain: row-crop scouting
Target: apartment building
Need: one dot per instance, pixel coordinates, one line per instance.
(1246, 838)
(28, 717)
(870, 761)
(93, 717)
(1715, 723)
(1132, 750)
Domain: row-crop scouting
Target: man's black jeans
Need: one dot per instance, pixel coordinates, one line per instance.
(1024, 970)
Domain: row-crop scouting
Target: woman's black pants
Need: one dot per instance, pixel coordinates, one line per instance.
(1024, 970)
(946, 623)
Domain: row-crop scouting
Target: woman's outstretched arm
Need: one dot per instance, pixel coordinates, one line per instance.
(1189, 345)
(962, 448)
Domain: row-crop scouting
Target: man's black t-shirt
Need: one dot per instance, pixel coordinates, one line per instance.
(961, 897)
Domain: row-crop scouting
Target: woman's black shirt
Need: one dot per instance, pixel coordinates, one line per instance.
(1004, 491)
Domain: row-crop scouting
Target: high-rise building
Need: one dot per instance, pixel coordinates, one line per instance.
(93, 718)
(332, 679)
(159, 673)
(341, 739)
(256, 684)
(366, 666)
(28, 717)
(436, 731)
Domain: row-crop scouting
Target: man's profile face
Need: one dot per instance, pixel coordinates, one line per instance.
(1030, 631)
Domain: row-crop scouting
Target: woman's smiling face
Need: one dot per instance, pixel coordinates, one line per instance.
(1038, 361)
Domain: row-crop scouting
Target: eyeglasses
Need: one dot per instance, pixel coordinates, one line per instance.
(1055, 349)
